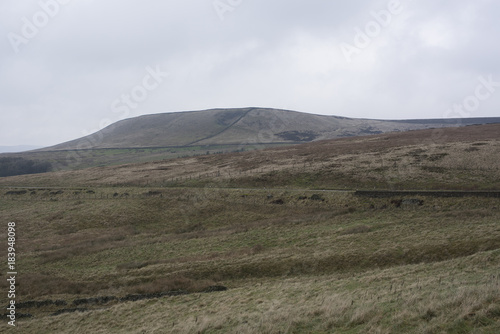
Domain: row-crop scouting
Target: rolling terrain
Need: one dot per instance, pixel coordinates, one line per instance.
(270, 241)
(173, 135)
(244, 126)
(449, 158)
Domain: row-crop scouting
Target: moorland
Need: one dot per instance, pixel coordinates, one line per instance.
(385, 233)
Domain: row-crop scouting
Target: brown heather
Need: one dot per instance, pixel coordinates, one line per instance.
(294, 258)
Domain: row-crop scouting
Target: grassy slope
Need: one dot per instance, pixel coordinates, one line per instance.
(294, 260)
(305, 265)
(240, 126)
(172, 135)
(454, 158)
(75, 160)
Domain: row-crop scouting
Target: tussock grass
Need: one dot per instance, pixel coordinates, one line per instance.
(411, 299)
(294, 259)
(409, 160)
(175, 283)
(296, 251)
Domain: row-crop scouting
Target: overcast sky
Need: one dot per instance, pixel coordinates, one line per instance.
(68, 68)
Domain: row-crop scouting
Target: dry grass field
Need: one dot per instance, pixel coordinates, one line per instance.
(450, 158)
(261, 242)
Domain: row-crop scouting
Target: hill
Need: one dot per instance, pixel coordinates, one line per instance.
(173, 135)
(271, 241)
(246, 126)
(449, 158)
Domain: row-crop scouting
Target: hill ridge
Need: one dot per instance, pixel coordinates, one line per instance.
(244, 114)
(252, 125)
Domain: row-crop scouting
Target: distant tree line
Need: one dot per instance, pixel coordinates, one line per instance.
(10, 166)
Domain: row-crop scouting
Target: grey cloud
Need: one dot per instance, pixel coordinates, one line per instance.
(282, 54)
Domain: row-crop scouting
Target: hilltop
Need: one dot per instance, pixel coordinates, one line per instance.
(185, 134)
(245, 126)
(449, 158)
